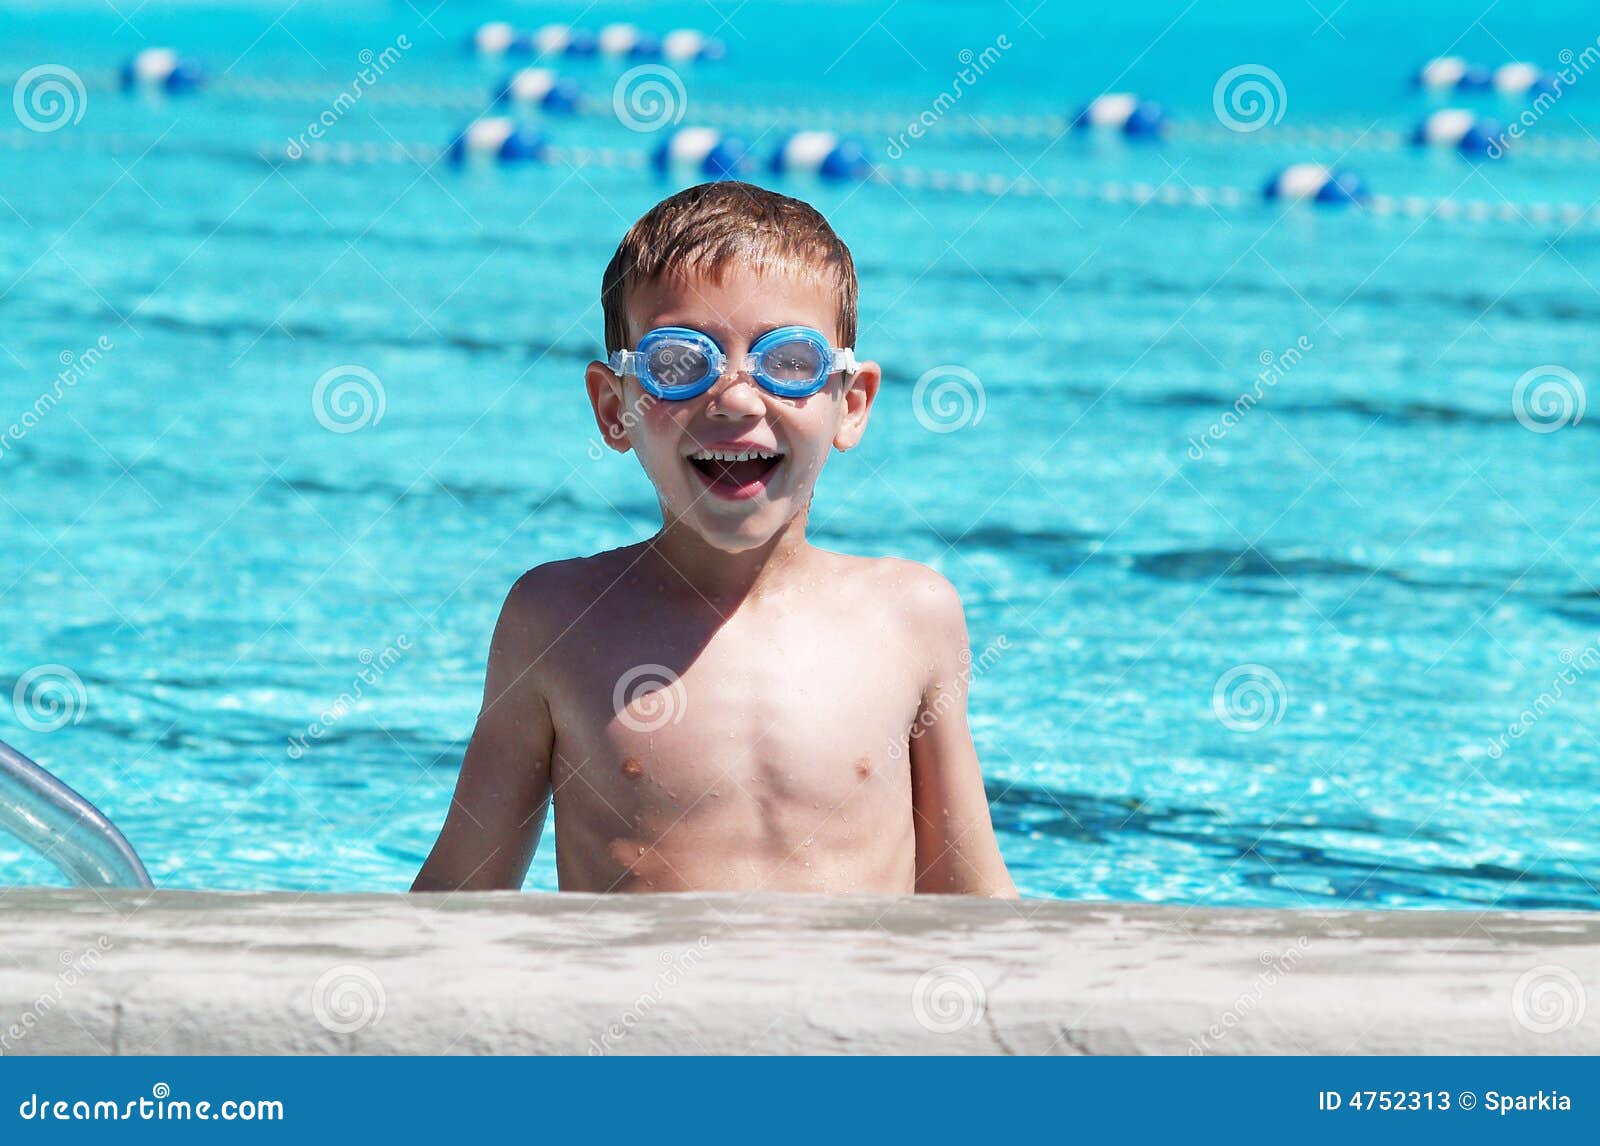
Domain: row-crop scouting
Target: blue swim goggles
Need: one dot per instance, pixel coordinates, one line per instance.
(675, 362)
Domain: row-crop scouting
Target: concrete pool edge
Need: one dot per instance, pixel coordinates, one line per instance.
(94, 972)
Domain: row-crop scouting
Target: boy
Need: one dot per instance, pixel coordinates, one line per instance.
(725, 707)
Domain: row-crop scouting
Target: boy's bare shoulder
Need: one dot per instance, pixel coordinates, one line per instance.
(547, 597)
(923, 598)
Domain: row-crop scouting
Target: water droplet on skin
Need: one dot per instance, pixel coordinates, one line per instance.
(641, 851)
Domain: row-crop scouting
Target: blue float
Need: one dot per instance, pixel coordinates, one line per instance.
(541, 88)
(1121, 111)
(1521, 79)
(821, 153)
(1455, 74)
(1465, 131)
(161, 68)
(1315, 182)
(499, 138)
(685, 46)
(1452, 73)
(705, 150)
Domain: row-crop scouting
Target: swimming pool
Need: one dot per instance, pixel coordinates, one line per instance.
(1277, 660)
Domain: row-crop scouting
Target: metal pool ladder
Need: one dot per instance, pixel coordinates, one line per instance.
(62, 826)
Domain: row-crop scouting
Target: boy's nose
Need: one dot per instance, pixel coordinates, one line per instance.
(735, 395)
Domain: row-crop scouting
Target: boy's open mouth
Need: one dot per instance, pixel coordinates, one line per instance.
(736, 474)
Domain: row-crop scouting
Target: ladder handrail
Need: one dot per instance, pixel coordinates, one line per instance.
(63, 827)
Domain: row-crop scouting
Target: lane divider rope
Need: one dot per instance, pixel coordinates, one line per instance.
(991, 185)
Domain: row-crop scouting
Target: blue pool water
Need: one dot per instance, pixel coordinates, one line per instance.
(1379, 552)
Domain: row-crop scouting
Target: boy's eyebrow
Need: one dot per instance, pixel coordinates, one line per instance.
(720, 331)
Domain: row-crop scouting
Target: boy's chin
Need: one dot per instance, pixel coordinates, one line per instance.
(732, 535)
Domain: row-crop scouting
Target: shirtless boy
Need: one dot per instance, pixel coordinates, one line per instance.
(726, 707)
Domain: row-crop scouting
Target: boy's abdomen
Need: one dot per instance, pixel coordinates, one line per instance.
(760, 776)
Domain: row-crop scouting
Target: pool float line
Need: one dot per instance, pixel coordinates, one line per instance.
(918, 179)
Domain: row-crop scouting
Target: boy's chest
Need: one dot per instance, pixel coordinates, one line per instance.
(789, 707)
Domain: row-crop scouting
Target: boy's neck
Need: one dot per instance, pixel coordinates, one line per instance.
(723, 578)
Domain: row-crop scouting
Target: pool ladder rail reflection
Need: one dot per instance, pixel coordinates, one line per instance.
(63, 827)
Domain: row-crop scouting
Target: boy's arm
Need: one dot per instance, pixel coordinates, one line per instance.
(499, 805)
(956, 849)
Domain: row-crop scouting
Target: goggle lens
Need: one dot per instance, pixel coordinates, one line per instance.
(797, 361)
(674, 364)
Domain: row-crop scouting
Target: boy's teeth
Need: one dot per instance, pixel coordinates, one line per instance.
(727, 456)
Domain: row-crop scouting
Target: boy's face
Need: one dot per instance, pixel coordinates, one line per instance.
(734, 506)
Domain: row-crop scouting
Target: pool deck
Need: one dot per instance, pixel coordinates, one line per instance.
(84, 972)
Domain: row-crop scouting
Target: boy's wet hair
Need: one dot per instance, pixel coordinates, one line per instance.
(706, 229)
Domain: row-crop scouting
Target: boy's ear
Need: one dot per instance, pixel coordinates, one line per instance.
(857, 405)
(605, 395)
